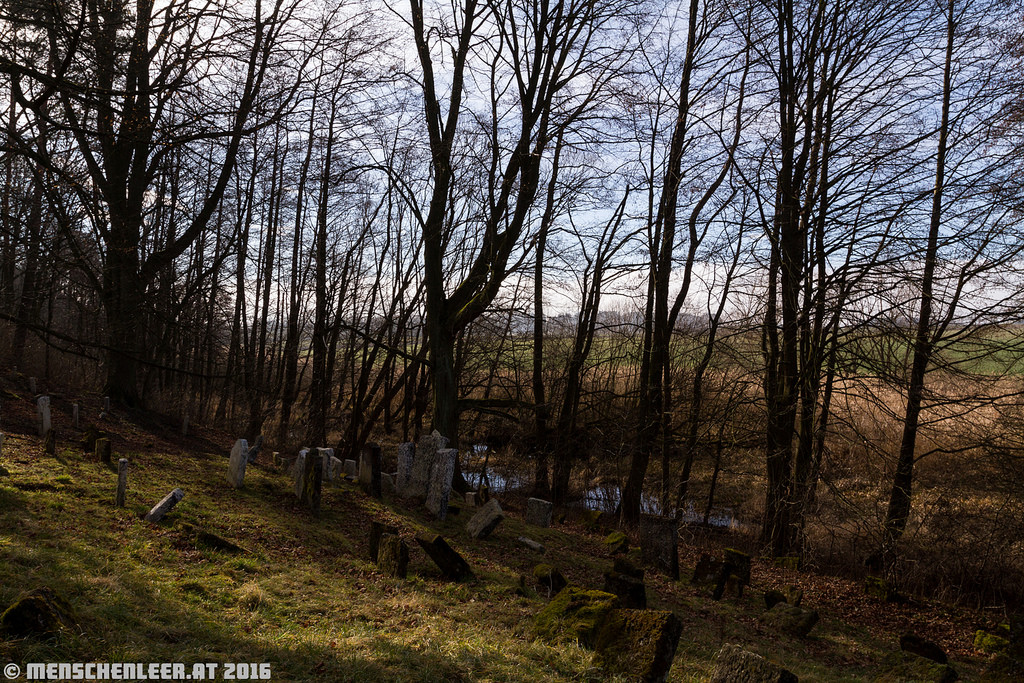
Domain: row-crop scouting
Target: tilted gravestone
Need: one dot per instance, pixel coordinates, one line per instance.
(423, 464)
(440, 487)
(450, 563)
(122, 482)
(236, 463)
(369, 469)
(485, 521)
(312, 478)
(164, 506)
(43, 407)
(659, 543)
(406, 456)
(538, 512)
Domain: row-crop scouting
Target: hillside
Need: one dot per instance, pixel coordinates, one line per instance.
(300, 592)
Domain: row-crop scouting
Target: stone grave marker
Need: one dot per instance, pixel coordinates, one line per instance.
(32, 388)
(423, 464)
(325, 462)
(106, 404)
(733, 663)
(164, 506)
(440, 487)
(43, 407)
(378, 529)
(50, 442)
(538, 512)
(451, 564)
(103, 450)
(251, 453)
(531, 544)
(312, 477)
(334, 469)
(485, 521)
(122, 481)
(369, 469)
(237, 462)
(74, 415)
(406, 455)
(659, 543)
(351, 468)
(298, 471)
(393, 556)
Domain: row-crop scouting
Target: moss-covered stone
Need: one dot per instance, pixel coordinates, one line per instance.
(617, 542)
(910, 668)
(575, 614)
(640, 644)
(38, 613)
(549, 579)
(631, 591)
(792, 563)
(773, 597)
(990, 642)
(795, 621)
(733, 663)
(592, 518)
(880, 589)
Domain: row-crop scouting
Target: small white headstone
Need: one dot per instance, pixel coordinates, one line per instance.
(164, 506)
(236, 465)
(43, 406)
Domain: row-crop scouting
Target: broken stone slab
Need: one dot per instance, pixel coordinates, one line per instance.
(37, 613)
(786, 618)
(43, 408)
(252, 453)
(103, 450)
(237, 462)
(369, 470)
(122, 482)
(733, 663)
(538, 512)
(906, 666)
(631, 591)
(485, 521)
(549, 579)
(575, 615)
(393, 556)
(423, 464)
(659, 544)
(773, 597)
(640, 644)
(450, 563)
(531, 544)
(164, 506)
(440, 487)
(406, 456)
(915, 644)
(378, 529)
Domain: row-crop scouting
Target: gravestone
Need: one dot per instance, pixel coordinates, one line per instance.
(631, 590)
(440, 487)
(450, 563)
(350, 468)
(423, 464)
(471, 499)
(334, 469)
(406, 455)
(164, 506)
(549, 579)
(325, 462)
(43, 407)
(369, 469)
(237, 462)
(74, 415)
(122, 482)
(786, 618)
(538, 512)
(106, 404)
(640, 644)
(250, 455)
(733, 663)
(312, 481)
(659, 543)
(735, 566)
(378, 529)
(393, 556)
(50, 442)
(531, 544)
(298, 471)
(103, 450)
(2, 437)
(485, 521)
(32, 386)
(184, 426)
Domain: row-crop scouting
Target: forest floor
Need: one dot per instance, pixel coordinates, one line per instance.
(303, 596)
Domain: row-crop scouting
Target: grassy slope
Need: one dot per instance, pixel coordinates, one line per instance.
(306, 599)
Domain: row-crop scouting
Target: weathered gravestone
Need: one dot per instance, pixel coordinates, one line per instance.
(406, 456)
(440, 487)
(471, 499)
(733, 663)
(103, 450)
(334, 469)
(538, 512)
(298, 471)
(393, 556)
(485, 521)
(122, 482)
(549, 579)
(351, 468)
(43, 407)
(106, 404)
(164, 506)
(630, 589)
(640, 644)
(32, 388)
(312, 482)
(531, 544)
(790, 619)
(369, 469)
(237, 462)
(50, 442)
(378, 529)
(659, 543)
(735, 567)
(423, 464)
(450, 563)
